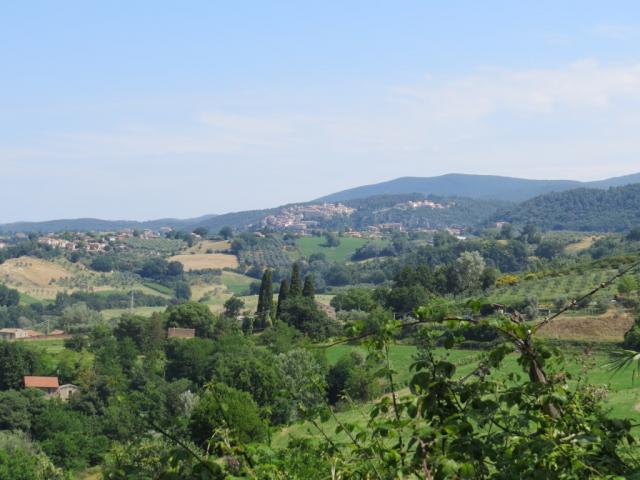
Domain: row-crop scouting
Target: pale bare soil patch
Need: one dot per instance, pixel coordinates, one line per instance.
(609, 327)
(583, 244)
(202, 261)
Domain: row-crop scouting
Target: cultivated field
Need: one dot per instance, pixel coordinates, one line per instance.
(203, 261)
(609, 327)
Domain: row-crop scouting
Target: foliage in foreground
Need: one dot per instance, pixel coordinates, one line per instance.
(537, 424)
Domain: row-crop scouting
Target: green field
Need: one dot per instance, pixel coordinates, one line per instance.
(348, 245)
(51, 346)
(623, 398)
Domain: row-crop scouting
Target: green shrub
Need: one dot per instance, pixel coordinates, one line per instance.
(223, 407)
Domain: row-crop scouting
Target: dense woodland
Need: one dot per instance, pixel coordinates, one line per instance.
(615, 209)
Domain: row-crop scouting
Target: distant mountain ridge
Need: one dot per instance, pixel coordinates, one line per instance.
(96, 224)
(488, 190)
(488, 187)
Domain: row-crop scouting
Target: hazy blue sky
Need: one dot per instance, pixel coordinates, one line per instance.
(145, 109)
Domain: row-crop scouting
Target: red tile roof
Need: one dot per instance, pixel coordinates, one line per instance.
(41, 382)
(181, 333)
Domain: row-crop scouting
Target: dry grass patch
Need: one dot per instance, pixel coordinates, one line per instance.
(203, 261)
(609, 327)
(33, 276)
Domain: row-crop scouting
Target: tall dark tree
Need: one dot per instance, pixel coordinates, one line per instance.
(295, 289)
(283, 294)
(8, 296)
(308, 290)
(265, 310)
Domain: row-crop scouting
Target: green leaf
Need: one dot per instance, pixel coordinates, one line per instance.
(420, 382)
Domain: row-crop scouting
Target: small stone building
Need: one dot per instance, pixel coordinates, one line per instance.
(13, 333)
(65, 391)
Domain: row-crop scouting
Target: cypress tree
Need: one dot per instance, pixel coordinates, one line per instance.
(260, 307)
(283, 294)
(264, 312)
(295, 289)
(308, 290)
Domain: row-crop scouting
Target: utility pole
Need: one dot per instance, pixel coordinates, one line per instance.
(131, 303)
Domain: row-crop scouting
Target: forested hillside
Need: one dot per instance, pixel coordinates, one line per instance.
(582, 209)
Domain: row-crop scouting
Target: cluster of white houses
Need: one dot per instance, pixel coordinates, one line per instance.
(300, 218)
(94, 243)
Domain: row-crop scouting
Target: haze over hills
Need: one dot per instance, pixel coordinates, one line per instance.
(474, 186)
(96, 224)
(488, 191)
